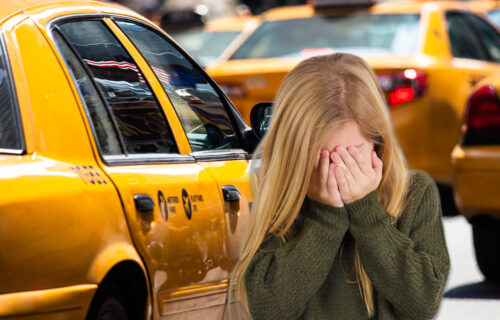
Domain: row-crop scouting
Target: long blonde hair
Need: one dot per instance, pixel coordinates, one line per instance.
(319, 94)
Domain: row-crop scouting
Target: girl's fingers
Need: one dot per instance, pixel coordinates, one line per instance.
(362, 162)
(323, 167)
(341, 181)
(350, 163)
(332, 181)
(339, 162)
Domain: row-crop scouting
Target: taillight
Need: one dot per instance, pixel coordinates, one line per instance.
(482, 118)
(403, 86)
(233, 90)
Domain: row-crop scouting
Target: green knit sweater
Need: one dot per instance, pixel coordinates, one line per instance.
(308, 277)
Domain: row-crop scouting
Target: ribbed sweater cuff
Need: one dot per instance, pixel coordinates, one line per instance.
(328, 215)
(367, 210)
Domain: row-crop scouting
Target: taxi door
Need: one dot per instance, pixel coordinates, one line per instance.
(212, 128)
(172, 204)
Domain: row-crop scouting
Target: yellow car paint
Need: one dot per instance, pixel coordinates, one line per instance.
(69, 218)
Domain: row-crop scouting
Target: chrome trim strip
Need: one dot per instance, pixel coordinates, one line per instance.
(218, 155)
(138, 159)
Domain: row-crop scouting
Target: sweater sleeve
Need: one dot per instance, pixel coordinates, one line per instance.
(281, 278)
(408, 271)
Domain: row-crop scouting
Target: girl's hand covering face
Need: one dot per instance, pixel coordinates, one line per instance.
(323, 184)
(356, 176)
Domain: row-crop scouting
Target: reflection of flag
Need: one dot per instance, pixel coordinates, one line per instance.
(115, 64)
(164, 76)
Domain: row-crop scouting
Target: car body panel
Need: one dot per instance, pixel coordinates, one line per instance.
(476, 172)
(60, 303)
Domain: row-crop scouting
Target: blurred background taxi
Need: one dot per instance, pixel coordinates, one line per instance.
(476, 173)
(427, 56)
(207, 43)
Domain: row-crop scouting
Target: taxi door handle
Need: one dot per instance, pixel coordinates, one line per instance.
(143, 202)
(230, 193)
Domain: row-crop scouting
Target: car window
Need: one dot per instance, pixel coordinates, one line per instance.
(201, 111)
(494, 15)
(356, 33)
(463, 41)
(205, 46)
(133, 108)
(9, 126)
(488, 35)
(100, 117)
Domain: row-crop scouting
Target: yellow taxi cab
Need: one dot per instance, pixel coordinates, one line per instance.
(124, 169)
(208, 43)
(427, 55)
(476, 173)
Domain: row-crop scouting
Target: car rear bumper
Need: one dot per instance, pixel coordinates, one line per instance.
(476, 180)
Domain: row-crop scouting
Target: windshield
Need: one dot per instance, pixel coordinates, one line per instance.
(494, 16)
(356, 33)
(205, 46)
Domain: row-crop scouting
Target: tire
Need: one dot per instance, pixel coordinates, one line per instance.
(486, 235)
(109, 305)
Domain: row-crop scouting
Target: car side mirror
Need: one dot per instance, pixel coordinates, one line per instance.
(260, 118)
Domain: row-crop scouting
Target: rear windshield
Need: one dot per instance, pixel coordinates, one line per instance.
(358, 34)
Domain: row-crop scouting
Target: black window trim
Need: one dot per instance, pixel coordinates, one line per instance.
(237, 121)
(15, 103)
(465, 15)
(125, 158)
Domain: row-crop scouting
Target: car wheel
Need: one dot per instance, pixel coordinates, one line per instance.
(109, 305)
(486, 234)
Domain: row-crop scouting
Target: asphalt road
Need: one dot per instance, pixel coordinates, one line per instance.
(466, 296)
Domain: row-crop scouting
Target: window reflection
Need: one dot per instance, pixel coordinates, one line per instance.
(135, 110)
(201, 111)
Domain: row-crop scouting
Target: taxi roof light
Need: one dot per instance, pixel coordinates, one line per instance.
(342, 3)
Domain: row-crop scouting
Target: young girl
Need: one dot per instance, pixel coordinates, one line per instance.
(340, 228)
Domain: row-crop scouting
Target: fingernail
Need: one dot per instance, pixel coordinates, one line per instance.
(352, 149)
(336, 156)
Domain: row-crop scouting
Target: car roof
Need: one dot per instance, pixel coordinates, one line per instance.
(387, 7)
(9, 7)
(230, 23)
